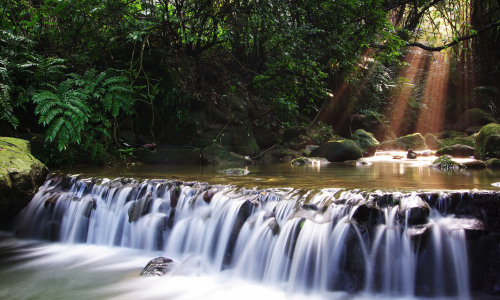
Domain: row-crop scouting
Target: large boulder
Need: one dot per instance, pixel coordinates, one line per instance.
(338, 151)
(462, 151)
(413, 141)
(365, 141)
(20, 176)
(372, 123)
(473, 119)
(488, 142)
(432, 141)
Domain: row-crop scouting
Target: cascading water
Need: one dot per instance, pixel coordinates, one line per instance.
(302, 242)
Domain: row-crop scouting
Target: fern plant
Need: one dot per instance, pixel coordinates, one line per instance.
(65, 112)
(80, 109)
(6, 109)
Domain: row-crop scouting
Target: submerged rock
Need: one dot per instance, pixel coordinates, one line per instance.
(300, 161)
(157, 267)
(235, 171)
(338, 151)
(474, 164)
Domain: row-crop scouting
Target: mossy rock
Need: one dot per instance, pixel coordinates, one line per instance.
(459, 140)
(446, 162)
(366, 141)
(338, 151)
(473, 118)
(216, 154)
(432, 141)
(474, 165)
(463, 151)
(493, 163)
(372, 123)
(302, 161)
(280, 155)
(20, 176)
(413, 141)
(488, 142)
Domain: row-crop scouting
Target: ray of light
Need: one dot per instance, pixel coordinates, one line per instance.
(432, 113)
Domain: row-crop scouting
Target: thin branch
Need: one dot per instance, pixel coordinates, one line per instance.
(455, 42)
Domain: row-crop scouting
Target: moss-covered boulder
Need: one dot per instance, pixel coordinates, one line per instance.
(488, 142)
(338, 151)
(216, 154)
(278, 155)
(473, 118)
(446, 162)
(432, 141)
(372, 123)
(463, 151)
(493, 163)
(366, 141)
(474, 164)
(413, 141)
(450, 138)
(20, 176)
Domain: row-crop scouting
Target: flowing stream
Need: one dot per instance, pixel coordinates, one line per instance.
(227, 241)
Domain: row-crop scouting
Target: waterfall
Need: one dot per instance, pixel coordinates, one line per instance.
(303, 241)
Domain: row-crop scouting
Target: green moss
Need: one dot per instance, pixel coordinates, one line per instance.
(456, 151)
(432, 141)
(493, 163)
(459, 140)
(488, 142)
(413, 141)
(366, 141)
(446, 162)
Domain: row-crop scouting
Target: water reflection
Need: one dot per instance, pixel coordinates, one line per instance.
(382, 172)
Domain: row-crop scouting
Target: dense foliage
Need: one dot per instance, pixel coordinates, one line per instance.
(90, 69)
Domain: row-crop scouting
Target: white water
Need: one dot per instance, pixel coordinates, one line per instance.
(243, 243)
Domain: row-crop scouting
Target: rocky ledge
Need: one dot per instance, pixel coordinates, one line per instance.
(20, 176)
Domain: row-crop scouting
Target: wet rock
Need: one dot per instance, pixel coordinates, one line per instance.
(446, 162)
(366, 142)
(300, 161)
(157, 267)
(310, 206)
(473, 227)
(367, 215)
(274, 226)
(488, 142)
(20, 176)
(175, 193)
(414, 209)
(208, 195)
(459, 150)
(235, 171)
(411, 154)
(338, 151)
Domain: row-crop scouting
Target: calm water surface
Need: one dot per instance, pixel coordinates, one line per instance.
(383, 173)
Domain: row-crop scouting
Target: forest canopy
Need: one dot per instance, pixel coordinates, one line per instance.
(81, 72)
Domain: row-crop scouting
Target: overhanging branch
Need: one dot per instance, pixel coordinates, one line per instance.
(456, 41)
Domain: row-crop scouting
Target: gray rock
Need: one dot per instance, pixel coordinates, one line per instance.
(157, 267)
